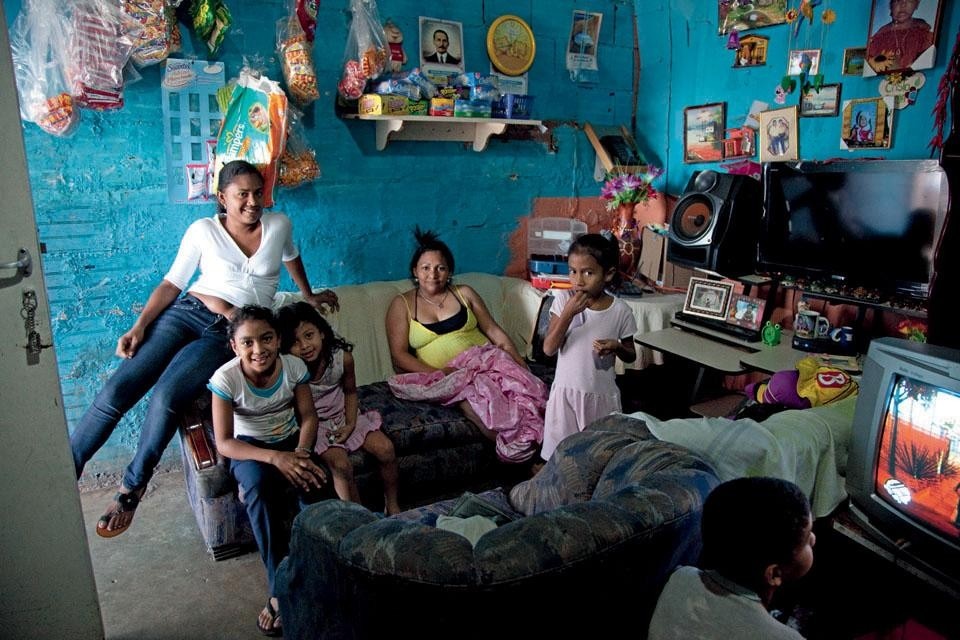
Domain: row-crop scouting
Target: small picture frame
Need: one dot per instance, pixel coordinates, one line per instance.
(703, 128)
(751, 52)
(779, 135)
(441, 45)
(820, 102)
(853, 60)
(867, 123)
(746, 311)
(799, 58)
(708, 298)
(741, 16)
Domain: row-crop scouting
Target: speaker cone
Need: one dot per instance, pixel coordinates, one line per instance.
(694, 219)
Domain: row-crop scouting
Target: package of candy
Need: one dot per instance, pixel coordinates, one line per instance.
(398, 86)
(296, 57)
(154, 43)
(366, 53)
(254, 126)
(102, 39)
(37, 43)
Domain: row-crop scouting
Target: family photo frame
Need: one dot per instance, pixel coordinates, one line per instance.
(703, 129)
(708, 298)
(745, 311)
(798, 58)
(779, 135)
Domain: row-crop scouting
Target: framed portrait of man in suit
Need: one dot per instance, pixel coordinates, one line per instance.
(441, 45)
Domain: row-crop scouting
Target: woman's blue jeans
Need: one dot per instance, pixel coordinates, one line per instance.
(181, 350)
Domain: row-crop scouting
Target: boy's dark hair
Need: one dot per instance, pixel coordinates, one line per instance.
(290, 318)
(605, 250)
(429, 241)
(251, 312)
(749, 524)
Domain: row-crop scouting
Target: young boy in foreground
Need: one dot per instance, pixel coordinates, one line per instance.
(757, 535)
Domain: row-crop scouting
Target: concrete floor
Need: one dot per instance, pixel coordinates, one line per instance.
(156, 580)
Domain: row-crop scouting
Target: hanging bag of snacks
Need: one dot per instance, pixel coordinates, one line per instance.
(298, 164)
(366, 53)
(36, 42)
(102, 39)
(254, 126)
(156, 40)
(296, 58)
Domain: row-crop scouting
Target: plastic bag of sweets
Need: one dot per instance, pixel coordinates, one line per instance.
(254, 126)
(154, 43)
(298, 164)
(296, 56)
(366, 52)
(102, 38)
(211, 21)
(36, 43)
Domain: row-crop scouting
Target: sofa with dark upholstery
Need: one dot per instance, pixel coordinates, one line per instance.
(439, 451)
(595, 536)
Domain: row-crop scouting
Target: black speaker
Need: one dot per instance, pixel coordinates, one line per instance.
(716, 222)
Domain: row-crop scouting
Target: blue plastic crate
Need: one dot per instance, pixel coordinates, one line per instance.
(512, 105)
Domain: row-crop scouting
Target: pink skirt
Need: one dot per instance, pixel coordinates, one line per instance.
(366, 423)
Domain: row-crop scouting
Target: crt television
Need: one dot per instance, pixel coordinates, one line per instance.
(903, 468)
(871, 223)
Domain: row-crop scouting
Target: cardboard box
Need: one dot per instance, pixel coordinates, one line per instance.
(375, 104)
(441, 107)
(654, 265)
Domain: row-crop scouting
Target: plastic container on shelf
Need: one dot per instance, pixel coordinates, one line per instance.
(512, 106)
(552, 237)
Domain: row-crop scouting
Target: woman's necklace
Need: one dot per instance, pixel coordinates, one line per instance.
(429, 301)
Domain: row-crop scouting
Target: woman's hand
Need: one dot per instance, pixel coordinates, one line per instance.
(129, 342)
(299, 469)
(325, 297)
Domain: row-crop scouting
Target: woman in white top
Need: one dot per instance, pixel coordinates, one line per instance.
(178, 341)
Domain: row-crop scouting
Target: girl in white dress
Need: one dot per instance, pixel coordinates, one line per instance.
(590, 329)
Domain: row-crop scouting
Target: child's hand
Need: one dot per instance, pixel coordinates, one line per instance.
(343, 433)
(300, 470)
(325, 297)
(606, 347)
(576, 304)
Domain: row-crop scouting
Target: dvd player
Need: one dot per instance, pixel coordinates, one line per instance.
(742, 333)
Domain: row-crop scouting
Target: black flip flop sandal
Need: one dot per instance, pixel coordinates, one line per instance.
(126, 503)
(271, 631)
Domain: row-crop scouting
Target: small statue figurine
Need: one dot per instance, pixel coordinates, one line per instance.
(398, 57)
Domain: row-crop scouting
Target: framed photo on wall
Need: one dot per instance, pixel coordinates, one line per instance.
(902, 36)
(800, 58)
(752, 52)
(745, 311)
(822, 102)
(441, 45)
(867, 123)
(708, 298)
(749, 15)
(853, 60)
(703, 128)
(779, 135)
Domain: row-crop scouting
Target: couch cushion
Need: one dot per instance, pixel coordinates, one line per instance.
(572, 472)
(639, 460)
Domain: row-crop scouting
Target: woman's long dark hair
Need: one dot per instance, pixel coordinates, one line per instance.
(290, 318)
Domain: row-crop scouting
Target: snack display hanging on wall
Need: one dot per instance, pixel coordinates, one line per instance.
(296, 57)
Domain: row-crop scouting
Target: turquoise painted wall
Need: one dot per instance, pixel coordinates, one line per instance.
(110, 235)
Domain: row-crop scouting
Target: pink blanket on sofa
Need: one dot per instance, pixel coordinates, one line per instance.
(509, 399)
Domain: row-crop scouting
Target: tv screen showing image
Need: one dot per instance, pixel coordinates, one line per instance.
(903, 467)
(918, 469)
(871, 223)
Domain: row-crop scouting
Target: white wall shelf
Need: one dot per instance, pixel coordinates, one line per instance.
(475, 130)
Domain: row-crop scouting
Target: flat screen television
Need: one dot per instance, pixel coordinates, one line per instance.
(903, 468)
(870, 224)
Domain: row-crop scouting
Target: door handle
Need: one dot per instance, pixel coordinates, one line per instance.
(23, 263)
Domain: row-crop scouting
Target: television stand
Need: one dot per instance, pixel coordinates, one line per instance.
(854, 524)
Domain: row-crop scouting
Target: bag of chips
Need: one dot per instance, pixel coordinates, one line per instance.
(298, 164)
(296, 57)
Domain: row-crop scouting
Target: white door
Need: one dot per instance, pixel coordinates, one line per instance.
(46, 578)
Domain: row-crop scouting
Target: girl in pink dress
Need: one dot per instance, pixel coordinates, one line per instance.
(333, 385)
(590, 329)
